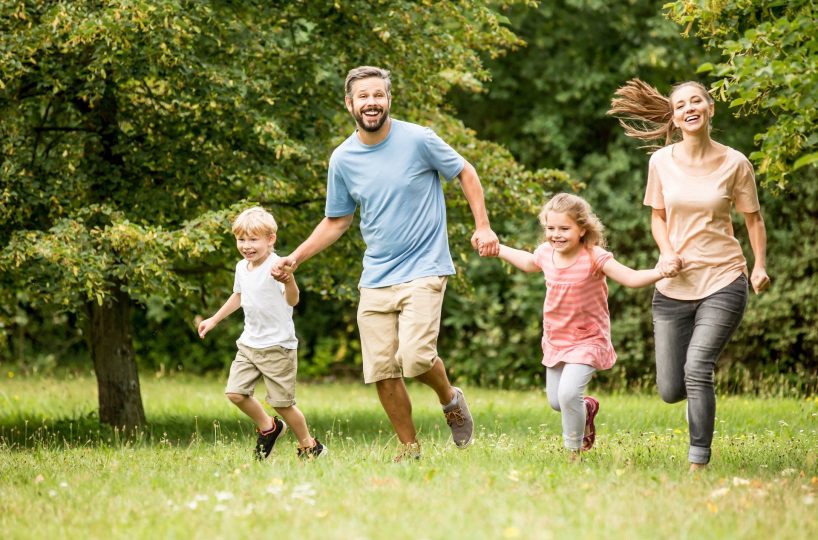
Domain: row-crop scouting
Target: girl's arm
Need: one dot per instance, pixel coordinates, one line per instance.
(629, 277)
(291, 293)
(519, 258)
(758, 241)
(233, 303)
(667, 255)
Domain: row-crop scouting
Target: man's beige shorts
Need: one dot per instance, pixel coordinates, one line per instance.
(276, 365)
(399, 326)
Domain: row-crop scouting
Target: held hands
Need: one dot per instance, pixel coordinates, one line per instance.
(759, 279)
(282, 270)
(669, 265)
(486, 242)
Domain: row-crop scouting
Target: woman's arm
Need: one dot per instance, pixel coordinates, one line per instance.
(519, 258)
(669, 260)
(758, 242)
(629, 277)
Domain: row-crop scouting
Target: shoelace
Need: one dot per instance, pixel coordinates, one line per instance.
(455, 417)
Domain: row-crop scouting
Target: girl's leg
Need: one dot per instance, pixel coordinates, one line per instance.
(717, 318)
(294, 418)
(673, 322)
(574, 380)
(250, 406)
(552, 385)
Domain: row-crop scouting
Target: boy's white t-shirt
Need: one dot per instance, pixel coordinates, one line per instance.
(268, 319)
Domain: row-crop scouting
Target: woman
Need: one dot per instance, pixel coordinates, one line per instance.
(692, 185)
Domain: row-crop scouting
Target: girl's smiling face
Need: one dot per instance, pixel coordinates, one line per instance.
(563, 233)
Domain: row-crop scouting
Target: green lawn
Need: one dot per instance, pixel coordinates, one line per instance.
(190, 475)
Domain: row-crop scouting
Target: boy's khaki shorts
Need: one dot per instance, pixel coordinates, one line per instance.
(276, 365)
(399, 326)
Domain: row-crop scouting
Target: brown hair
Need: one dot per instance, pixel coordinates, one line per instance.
(365, 72)
(580, 211)
(646, 113)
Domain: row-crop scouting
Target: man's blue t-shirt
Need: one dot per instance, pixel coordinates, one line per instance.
(403, 215)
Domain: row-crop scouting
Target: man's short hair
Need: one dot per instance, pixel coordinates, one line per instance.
(366, 72)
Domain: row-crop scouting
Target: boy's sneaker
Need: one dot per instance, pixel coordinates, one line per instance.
(317, 451)
(408, 453)
(591, 408)
(459, 419)
(266, 441)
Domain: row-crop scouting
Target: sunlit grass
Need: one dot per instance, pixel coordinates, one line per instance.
(190, 475)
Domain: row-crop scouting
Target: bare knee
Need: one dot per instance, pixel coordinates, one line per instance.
(235, 399)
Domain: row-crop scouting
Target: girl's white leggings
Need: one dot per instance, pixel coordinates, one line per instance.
(565, 385)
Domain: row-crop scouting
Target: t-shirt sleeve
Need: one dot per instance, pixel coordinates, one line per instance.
(653, 192)
(540, 254)
(745, 194)
(442, 157)
(339, 201)
(599, 257)
(236, 281)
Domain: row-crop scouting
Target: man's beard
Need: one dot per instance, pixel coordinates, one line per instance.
(371, 128)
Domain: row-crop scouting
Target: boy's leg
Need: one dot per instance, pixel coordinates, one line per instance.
(252, 407)
(296, 421)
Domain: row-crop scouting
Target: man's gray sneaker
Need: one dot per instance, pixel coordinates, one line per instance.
(459, 419)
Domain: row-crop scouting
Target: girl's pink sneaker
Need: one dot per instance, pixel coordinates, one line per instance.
(591, 408)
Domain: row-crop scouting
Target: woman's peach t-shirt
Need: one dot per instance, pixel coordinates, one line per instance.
(699, 223)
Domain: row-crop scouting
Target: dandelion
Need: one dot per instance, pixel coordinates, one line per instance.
(788, 472)
(513, 475)
(219, 508)
(740, 481)
(52, 492)
(39, 479)
(808, 500)
(304, 493)
(718, 493)
(511, 532)
(223, 495)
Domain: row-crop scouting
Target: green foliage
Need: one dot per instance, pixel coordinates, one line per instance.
(131, 132)
(770, 67)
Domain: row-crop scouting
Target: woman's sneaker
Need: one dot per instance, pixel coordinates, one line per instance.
(267, 440)
(591, 408)
(317, 451)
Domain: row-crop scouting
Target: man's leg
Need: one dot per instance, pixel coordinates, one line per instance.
(395, 401)
(437, 379)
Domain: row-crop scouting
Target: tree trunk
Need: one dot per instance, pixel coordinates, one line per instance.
(111, 345)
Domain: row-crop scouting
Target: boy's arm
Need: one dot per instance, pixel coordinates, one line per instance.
(519, 258)
(629, 277)
(233, 303)
(291, 292)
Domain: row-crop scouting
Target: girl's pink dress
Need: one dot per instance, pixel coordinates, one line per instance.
(576, 321)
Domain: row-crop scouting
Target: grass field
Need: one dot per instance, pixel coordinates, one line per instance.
(190, 474)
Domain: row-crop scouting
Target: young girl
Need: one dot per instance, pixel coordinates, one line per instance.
(692, 186)
(576, 323)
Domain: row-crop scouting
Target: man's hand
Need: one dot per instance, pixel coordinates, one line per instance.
(485, 242)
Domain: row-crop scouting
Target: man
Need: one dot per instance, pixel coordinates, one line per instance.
(392, 170)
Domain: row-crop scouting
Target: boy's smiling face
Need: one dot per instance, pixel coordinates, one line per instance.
(255, 247)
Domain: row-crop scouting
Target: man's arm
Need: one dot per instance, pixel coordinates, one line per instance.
(483, 238)
(324, 235)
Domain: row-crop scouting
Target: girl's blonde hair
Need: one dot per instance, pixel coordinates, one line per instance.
(255, 220)
(646, 113)
(580, 212)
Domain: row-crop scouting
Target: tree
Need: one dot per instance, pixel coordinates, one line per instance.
(131, 131)
(769, 66)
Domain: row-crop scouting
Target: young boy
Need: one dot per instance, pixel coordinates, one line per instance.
(267, 346)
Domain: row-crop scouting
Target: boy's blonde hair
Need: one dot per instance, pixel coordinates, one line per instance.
(580, 211)
(255, 220)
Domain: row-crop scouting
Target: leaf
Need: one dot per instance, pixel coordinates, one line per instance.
(805, 160)
(704, 68)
